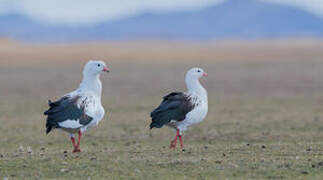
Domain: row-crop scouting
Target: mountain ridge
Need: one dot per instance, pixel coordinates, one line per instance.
(244, 19)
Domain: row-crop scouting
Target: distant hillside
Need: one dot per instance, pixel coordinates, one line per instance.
(246, 19)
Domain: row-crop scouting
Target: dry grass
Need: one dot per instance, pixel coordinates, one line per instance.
(265, 119)
(164, 51)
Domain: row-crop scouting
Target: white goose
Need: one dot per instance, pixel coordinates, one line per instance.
(76, 111)
(180, 110)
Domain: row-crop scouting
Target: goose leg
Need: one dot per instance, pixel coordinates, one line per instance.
(181, 141)
(174, 142)
(77, 147)
(73, 141)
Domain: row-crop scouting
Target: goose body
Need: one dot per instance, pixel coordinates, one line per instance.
(180, 110)
(81, 109)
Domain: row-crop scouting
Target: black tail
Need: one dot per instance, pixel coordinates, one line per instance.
(159, 119)
(50, 104)
(153, 125)
(157, 125)
(48, 128)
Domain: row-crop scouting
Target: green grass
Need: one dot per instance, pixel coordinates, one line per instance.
(142, 160)
(246, 135)
(256, 141)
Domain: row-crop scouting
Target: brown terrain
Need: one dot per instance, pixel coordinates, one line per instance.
(265, 116)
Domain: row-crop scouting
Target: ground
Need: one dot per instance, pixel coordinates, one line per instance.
(265, 116)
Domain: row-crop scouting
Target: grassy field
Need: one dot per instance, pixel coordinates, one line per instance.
(265, 116)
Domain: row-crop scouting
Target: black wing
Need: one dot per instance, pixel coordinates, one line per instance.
(65, 109)
(175, 106)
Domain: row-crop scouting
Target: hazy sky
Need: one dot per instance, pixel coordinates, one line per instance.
(80, 12)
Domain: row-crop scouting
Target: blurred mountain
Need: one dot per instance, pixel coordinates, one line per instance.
(246, 19)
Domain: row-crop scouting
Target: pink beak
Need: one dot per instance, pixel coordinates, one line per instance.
(205, 74)
(105, 69)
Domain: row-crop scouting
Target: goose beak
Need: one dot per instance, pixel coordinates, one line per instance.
(105, 69)
(205, 74)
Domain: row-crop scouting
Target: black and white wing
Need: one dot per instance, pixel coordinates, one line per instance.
(174, 106)
(68, 112)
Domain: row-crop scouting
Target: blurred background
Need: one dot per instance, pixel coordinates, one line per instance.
(257, 48)
(250, 48)
(198, 20)
(272, 46)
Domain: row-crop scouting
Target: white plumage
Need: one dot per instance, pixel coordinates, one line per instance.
(198, 96)
(80, 109)
(181, 110)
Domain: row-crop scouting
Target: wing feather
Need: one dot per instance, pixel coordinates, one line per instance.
(66, 108)
(174, 106)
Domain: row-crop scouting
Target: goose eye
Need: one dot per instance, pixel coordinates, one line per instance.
(198, 71)
(99, 65)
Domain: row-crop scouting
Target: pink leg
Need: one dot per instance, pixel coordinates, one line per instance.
(77, 147)
(181, 141)
(73, 142)
(174, 142)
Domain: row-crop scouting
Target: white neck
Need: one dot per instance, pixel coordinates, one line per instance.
(194, 86)
(92, 83)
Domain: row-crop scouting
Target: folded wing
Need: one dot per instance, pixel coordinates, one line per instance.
(174, 106)
(67, 112)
